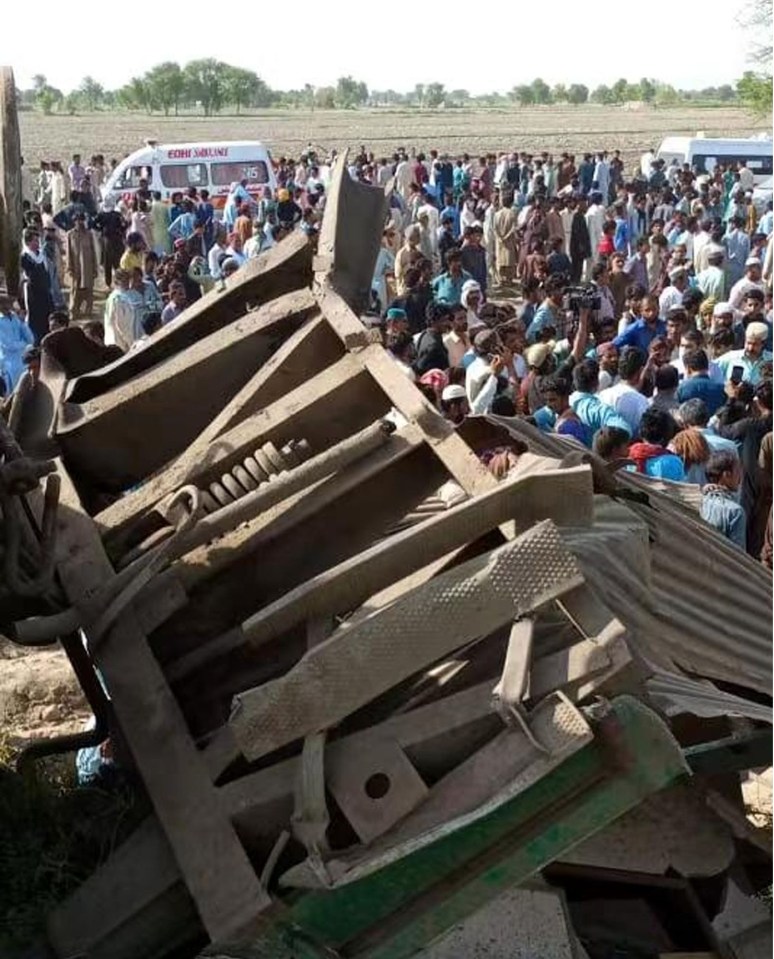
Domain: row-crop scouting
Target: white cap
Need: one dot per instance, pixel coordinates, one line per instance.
(721, 309)
(752, 261)
(453, 392)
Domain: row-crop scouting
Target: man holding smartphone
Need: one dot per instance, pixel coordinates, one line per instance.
(751, 363)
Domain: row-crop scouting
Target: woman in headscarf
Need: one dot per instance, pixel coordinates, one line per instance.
(35, 282)
(15, 337)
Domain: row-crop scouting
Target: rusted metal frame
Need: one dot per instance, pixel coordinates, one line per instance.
(228, 897)
(188, 386)
(352, 582)
(226, 451)
(281, 270)
(455, 454)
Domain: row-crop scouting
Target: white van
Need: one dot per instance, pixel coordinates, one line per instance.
(173, 168)
(705, 153)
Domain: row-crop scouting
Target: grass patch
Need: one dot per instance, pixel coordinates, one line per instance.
(53, 835)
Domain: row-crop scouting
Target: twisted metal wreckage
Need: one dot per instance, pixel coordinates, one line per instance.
(354, 737)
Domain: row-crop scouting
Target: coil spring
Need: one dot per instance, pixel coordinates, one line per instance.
(265, 465)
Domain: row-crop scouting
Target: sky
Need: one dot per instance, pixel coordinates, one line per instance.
(569, 46)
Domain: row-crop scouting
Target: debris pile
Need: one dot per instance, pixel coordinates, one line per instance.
(364, 711)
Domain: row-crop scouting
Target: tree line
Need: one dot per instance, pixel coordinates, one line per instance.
(211, 86)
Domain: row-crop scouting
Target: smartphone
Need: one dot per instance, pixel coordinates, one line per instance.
(737, 375)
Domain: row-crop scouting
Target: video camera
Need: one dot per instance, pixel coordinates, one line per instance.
(583, 297)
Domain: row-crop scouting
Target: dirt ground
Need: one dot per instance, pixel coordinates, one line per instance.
(554, 128)
(39, 695)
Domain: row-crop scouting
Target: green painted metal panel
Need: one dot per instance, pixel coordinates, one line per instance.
(396, 911)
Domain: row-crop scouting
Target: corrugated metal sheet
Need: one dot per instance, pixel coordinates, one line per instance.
(690, 599)
(674, 694)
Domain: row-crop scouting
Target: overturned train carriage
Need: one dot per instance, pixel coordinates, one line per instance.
(361, 706)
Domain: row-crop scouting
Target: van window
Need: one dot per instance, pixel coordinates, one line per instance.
(224, 174)
(179, 176)
(130, 178)
(706, 163)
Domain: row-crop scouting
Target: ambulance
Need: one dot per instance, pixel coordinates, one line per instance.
(705, 153)
(173, 168)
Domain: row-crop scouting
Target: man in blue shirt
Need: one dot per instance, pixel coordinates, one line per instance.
(698, 386)
(447, 288)
(643, 331)
(587, 406)
(548, 321)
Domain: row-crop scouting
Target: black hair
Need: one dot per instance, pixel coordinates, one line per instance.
(399, 343)
(598, 269)
(60, 316)
(585, 376)
(151, 322)
(694, 412)
(720, 462)
(697, 362)
(636, 291)
(657, 426)
(692, 298)
(722, 338)
(435, 312)
(631, 360)
(555, 284)
(666, 378)
(608, 439)
(556, 383)
(503, 406)
(755, 294)
(763, 394)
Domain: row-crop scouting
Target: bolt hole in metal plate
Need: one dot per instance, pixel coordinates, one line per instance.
(377, 786)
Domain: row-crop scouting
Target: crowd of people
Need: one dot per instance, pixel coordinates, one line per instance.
(631, 310)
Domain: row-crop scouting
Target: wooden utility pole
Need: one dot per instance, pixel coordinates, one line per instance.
(11, 213)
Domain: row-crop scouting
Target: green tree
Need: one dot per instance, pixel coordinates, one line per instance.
(325, 98)
(726, 93)
(620, 91)
(541, 91)
(240, 86)
(39, 83)
(459, 96)
(205, 83)
(166, 86)
(46, 101)
(560, 93)
(137, 95)
(754, 88)
(419, 94)
(666, 95)
(350, 93)
(91, 93)
(578, 93)
(754, 91)
(523, 94)
(435, 94)
(72, 103)
(647, 90)
(603, 94)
